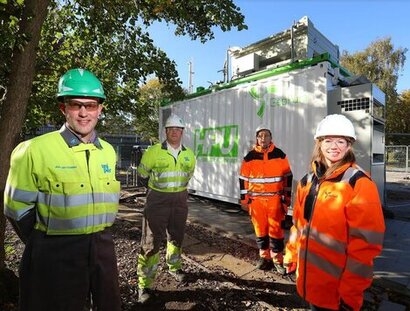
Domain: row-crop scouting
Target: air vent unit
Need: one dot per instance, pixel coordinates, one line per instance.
(355, 104)
(246, 64)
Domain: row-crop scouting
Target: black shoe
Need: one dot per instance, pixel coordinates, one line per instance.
(144, 294)
(178, 275)
(264, 264)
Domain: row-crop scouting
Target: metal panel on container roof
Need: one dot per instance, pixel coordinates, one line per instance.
(318, 44)
(301, 41)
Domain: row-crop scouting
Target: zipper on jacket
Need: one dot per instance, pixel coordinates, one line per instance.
(87, 157)
(316, 186)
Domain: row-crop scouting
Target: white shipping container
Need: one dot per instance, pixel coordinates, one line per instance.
(289, 82)
(220, 126)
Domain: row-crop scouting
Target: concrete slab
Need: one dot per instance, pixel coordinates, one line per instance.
(189, 241)
(233, 264)
(393, 263)
(203, 253)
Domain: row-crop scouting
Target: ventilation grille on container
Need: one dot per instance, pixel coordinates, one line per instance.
(355, 104)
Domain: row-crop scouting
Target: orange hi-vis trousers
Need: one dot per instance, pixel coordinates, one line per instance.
(267, 214)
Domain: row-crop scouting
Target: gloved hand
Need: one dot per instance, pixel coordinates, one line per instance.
(286, 223)
(344, 306)
(245, 204)
(285, 208)
(245, 207)
(290, 268)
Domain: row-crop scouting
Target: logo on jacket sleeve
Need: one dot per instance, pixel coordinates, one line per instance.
(106, 168)
(329, 194)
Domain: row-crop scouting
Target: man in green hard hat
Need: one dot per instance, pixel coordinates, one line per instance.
(62, 198)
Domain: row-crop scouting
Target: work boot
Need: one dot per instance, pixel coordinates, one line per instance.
(279, 268)
(277, 258)
(178, 275)
(144, 294)
(264, 264)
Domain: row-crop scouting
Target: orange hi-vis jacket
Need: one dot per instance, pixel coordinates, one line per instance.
(265, 173)
(338, 231)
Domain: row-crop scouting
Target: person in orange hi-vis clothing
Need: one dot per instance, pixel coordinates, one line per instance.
(265, 182)
(338, 223)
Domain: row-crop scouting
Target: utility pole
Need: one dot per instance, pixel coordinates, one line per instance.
(190, 77)
(228, 62)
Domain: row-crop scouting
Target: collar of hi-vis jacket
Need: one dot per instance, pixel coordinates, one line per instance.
(165, 146)
(319, 170)
(73, 140)
(258, 148)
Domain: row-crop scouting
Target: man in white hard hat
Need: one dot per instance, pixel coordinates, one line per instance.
(167, 168)
(265, 186)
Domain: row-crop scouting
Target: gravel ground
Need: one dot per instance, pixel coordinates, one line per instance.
(208, 289)
(205, 289)
(214, 288)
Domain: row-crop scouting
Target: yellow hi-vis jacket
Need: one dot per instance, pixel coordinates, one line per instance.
(165, 173)
(70, 185)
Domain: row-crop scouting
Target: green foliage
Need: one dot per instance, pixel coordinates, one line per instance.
(381, 63)
(111, 39)
(190, 16)
(402, 120)
(147, 110)
(10, 15)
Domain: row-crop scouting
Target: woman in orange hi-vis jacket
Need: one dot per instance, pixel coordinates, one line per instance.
(338, 223)
(265, 184)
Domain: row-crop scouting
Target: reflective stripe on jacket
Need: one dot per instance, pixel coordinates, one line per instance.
(340, 229)
(167, 174)
(70, 185)
(265, 173)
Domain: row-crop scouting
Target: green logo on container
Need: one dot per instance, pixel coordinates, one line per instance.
(267, 96)
(217, 142)
(260, 97)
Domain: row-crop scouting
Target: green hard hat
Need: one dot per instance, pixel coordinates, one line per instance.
(80, 82)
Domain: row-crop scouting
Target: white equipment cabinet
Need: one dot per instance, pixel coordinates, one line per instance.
(364, 105)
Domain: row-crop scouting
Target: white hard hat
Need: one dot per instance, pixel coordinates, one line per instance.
(335, 125)
(174, 121)
(261, 128)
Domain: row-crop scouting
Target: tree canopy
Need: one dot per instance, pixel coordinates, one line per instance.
(111, 39)
(401, 120)
(381, 63)
(147, 117)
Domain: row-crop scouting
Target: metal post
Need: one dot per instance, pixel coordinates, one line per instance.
(228, 62)
(190, 77)
(292, 43)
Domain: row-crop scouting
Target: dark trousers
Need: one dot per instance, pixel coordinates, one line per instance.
(165, 217)
(66, 272)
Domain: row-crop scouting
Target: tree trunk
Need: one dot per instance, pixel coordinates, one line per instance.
(18, 92)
